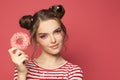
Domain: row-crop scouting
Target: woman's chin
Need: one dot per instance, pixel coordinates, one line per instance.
(55, 51)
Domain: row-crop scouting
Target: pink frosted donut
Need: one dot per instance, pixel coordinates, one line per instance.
(20, 40)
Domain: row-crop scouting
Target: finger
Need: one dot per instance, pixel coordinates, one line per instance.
(17, 53)
(23, 58)
(27, 56)
(21, 51)
(11, 50)
(25, 61)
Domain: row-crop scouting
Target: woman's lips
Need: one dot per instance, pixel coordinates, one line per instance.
(55, 46)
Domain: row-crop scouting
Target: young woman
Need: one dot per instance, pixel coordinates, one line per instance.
(48, 31)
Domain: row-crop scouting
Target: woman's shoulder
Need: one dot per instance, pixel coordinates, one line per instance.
(75, 71)
(73, 66)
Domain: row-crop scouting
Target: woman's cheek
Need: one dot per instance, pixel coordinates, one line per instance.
(60, 35)
(43, 41)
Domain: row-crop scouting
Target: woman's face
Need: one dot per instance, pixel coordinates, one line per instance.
(50, 36)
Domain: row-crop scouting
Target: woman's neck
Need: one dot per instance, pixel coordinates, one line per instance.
(50, 61)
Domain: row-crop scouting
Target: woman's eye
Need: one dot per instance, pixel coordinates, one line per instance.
(43, 36)
(58, 31)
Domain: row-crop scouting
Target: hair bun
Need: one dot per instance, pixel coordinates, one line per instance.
(26, 21)
(59, 10)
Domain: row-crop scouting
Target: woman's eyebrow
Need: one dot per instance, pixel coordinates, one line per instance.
(42, 33)
(57, 29)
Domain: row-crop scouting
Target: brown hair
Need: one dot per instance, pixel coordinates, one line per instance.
(31, 23)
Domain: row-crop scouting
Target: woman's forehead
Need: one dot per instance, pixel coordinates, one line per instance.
(48, 26)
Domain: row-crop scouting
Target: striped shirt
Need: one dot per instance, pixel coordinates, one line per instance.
(67, 71)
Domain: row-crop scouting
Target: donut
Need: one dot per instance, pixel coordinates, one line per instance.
(20, 40)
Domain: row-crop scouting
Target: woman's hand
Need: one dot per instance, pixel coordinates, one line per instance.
(19, 58)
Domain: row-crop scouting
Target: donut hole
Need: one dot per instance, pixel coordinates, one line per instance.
(19, 41)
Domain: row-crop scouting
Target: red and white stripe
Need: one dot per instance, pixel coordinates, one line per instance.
(67, 71)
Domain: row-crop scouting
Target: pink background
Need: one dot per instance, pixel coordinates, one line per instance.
(94, 34)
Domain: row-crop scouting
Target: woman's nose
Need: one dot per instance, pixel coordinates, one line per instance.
(52, 39)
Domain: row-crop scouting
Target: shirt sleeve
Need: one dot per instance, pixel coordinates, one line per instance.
(15, 74)
(75, 73)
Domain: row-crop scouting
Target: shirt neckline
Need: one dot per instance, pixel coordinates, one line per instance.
(48, 68)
